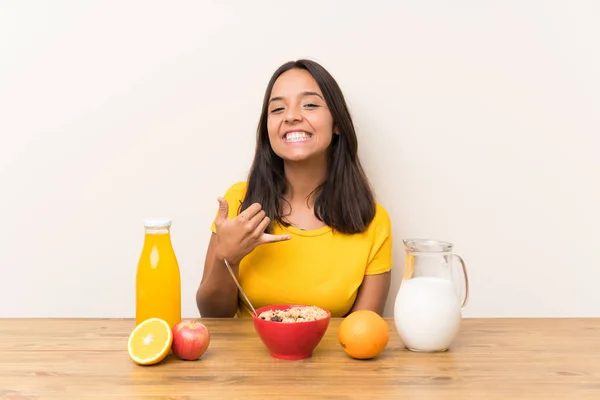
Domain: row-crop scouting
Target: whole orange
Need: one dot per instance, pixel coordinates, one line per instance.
(363, 334)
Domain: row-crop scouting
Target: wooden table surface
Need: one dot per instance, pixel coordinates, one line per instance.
(490, 359)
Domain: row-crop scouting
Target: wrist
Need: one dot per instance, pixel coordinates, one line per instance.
(233, 261)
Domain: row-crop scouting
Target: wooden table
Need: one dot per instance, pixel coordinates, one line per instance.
(491, 359)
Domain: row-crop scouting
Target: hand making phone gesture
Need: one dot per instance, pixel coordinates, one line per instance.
(239, 236)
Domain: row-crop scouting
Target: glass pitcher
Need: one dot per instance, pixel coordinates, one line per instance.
(428, 306)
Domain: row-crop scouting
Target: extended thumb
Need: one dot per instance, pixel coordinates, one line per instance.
(223, 209)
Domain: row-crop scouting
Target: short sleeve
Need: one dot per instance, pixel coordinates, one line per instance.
(380, 257)
(234, 197)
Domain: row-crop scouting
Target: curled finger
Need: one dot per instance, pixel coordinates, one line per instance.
(249, 212)
(261, 227)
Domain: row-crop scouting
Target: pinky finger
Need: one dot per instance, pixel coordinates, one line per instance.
(267, 238)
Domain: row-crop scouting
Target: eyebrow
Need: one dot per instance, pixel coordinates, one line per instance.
(306, 93)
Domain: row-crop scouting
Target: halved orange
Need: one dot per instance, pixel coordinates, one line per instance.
(150, 341)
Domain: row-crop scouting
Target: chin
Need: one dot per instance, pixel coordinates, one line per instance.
(296, 157)
(299, 154)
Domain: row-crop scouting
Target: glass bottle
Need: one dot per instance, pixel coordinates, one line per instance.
(158, 281)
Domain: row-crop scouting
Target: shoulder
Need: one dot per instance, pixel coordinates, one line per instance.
(381, 225)
(237, 190)
(382, 217)
(234, 196)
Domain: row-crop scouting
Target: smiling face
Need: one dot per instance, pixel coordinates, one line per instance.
(299, 123)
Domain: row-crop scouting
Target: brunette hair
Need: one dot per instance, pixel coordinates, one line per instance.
(345, 201)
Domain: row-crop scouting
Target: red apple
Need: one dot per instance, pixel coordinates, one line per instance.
(190, 340)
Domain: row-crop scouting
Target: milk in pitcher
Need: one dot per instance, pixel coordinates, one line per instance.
(427, 313)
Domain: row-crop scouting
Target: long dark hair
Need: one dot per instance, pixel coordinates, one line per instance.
(345, 201)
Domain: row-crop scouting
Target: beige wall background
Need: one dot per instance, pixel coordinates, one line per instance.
(478, 124)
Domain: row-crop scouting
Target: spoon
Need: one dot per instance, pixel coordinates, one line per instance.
(239, 287)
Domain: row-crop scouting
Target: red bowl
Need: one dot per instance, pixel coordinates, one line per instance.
(290, 341)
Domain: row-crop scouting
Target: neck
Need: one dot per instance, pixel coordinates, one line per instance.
(303, 178)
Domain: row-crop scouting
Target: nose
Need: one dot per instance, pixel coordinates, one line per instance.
(292, 115)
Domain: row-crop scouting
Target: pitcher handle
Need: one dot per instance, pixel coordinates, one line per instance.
(464, 268)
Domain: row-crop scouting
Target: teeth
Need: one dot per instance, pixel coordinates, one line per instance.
(297, 136)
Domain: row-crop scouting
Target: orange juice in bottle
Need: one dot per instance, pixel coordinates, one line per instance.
(158, 282)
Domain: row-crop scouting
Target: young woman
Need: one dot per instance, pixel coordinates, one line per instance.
(305, 227)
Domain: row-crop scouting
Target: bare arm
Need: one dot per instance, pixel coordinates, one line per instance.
(217, 295)
(373, 293)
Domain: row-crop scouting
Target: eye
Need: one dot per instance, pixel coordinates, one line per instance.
(278, 109)
(311, 105)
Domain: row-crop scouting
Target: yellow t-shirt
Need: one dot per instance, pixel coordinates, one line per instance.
(315, 267)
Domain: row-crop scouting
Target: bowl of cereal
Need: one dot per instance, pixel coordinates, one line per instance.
(291, 331)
